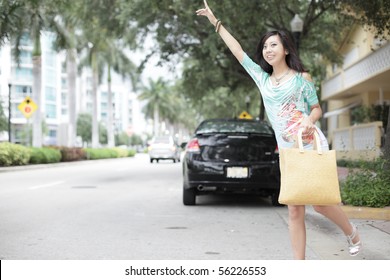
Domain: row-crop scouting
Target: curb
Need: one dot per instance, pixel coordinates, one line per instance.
(358, 212)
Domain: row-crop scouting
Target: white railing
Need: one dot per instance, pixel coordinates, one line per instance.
(358, 141)
(368, 67)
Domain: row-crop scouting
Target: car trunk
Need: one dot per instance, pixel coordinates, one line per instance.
(237, 148)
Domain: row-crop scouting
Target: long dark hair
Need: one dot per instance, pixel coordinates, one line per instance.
(292, 59)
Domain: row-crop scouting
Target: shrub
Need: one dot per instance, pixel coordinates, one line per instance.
(121, 152)
(44, 155)
(13, 154)
(72, 154)
(370, 186)
(100, 153)
(131, 153)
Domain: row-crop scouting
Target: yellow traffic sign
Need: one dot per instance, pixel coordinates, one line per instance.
(245, 115)
(27, 107)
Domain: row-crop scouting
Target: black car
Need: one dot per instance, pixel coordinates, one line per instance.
(231, 156)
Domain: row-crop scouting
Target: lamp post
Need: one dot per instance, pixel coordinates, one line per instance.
(296, 28)
(247, 102)
(9, 111)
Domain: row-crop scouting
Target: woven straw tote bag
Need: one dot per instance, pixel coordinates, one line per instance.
(308, 177)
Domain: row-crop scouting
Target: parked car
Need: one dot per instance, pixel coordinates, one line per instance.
(231, 156)
(164, 148)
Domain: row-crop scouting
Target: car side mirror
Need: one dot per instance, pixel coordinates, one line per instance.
(183, 145)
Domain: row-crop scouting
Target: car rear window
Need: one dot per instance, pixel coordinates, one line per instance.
(233, 127)
(161, 140)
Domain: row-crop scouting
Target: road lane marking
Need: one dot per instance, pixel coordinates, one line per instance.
(47, 185)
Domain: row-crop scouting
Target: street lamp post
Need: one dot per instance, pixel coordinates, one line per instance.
(296, 28)
(247, 102)
(9, 111)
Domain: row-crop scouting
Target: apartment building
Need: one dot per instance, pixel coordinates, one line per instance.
(361, 81)
(16, 83)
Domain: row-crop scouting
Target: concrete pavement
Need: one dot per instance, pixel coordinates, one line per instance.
(324, 240)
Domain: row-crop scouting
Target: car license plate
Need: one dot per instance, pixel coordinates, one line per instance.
(237, 172)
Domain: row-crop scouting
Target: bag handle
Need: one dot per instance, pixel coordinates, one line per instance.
(317, 142)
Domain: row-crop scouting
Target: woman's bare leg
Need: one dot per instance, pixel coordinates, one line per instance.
(297, 229)
(338, 216)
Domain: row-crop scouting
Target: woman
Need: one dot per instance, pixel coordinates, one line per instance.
(291, 103)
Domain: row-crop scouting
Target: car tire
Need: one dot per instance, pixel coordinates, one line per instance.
(151, 160)
(189, 196)
(275, 198)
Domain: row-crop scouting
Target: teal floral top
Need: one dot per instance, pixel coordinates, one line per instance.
(286, 104)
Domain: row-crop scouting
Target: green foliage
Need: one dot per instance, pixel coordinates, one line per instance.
(367, 186)
(131, 153)
(3, 119)
(374, 13)
(44, 155)
(101, 153)
(13, 154)
(365, 114)
(121, 152)
(84, 127)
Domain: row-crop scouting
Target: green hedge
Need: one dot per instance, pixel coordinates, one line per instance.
(13, 154)
(44, 155)
(369, 186)
(101, 153)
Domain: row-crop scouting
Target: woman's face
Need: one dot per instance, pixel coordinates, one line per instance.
(273, 50)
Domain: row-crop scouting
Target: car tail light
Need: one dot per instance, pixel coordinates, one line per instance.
(193, 146)
(276, 150)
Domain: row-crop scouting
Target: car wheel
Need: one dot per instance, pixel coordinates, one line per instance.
(174, 160)
(189, 196)
(151, 160)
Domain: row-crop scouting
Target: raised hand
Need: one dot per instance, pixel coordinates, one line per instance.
(206, 11)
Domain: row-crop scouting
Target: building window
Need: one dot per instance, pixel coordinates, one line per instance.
(21, 91)
(64, 99)
(51, 111)
(24, 74)
(64, 83)
(25, 57)
(50, 94)
(50, 77)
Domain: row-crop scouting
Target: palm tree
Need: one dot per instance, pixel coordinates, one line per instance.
(34, 17)
(156, 94)
(118, 61)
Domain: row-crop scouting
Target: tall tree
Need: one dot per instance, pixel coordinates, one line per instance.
(209, 65)
(3, 119)
(102, 34)
(156, 95)
(33, 18)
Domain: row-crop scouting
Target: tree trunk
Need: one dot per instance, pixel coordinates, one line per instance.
(110, 121)
(156, 120)
(95, 125)
(386, 152)
(71, 71)
(37, 98)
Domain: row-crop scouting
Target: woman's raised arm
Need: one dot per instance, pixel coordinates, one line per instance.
(229, 40)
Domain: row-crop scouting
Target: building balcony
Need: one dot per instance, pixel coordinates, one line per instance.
(368, 74)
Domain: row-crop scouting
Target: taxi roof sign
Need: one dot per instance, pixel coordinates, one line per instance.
(27, 107)
(245, 115)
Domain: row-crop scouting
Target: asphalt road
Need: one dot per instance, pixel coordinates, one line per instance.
(127, 209)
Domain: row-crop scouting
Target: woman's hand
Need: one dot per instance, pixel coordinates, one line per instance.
(206, 11)
(308, 126)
